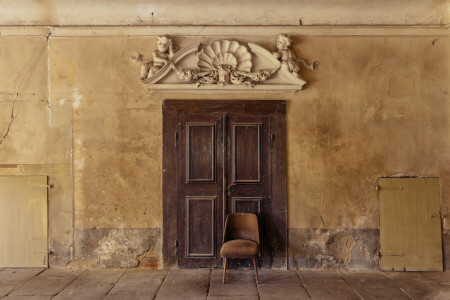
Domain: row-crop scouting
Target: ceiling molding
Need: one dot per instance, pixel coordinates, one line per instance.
(224, 31)
(230, 12)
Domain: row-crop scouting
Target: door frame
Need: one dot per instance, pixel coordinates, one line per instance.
(277, 111)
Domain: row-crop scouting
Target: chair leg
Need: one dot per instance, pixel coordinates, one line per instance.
(225, 264)
(255, 265)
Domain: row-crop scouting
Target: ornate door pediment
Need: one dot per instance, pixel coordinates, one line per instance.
(224, 65)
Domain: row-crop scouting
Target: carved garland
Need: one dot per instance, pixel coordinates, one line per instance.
(223, 64)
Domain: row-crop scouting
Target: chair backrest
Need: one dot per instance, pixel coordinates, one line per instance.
(241, 226)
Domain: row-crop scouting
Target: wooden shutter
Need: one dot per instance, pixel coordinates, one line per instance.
(23, 221)
(410, 225)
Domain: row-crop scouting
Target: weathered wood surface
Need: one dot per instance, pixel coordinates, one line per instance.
(410, 224)
(169, 190)
(278, 204)
(200, 184)
(249, 178)
(246, 107)
(23, 221)
(227, 154)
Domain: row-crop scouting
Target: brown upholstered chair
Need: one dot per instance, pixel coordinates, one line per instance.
(240, 240)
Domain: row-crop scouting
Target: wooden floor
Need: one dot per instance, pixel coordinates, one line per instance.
(207, 284)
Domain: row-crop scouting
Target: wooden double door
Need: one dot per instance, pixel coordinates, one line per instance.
(227, 161)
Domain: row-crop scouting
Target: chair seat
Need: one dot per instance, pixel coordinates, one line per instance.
(239, 248)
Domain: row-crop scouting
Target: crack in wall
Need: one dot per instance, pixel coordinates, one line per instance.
(8, 128)
(14, 116)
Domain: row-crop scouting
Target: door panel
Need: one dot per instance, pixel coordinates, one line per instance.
(200, 147)
(200, 186)
(248, 176)
(201, 226)
(246, 205)
(246, 153)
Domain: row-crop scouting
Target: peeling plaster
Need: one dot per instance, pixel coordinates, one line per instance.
(118, 248)
(78, 97)
(79, 163)
(333, 248)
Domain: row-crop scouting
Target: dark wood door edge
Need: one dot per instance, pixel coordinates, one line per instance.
(245, 107)
(169, 191)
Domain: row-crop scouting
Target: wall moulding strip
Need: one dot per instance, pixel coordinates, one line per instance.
(224, 31)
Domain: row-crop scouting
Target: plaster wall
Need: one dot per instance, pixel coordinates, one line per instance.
(377, 106)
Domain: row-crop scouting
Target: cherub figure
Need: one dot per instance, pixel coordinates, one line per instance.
(161, 57)
(288, 58)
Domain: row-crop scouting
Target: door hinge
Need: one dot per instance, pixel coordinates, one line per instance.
(176, 138)
(392, 254)
(395, 188)
(177, 244)
(272, 139)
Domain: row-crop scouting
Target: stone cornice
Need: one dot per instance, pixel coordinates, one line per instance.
(223, 31)
(231, 12)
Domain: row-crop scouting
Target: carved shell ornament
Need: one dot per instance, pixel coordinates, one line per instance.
(225, 53)
(225, 65)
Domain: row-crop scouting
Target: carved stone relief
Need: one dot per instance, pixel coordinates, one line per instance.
(161, 57)
(288, 58)
(223, 65)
